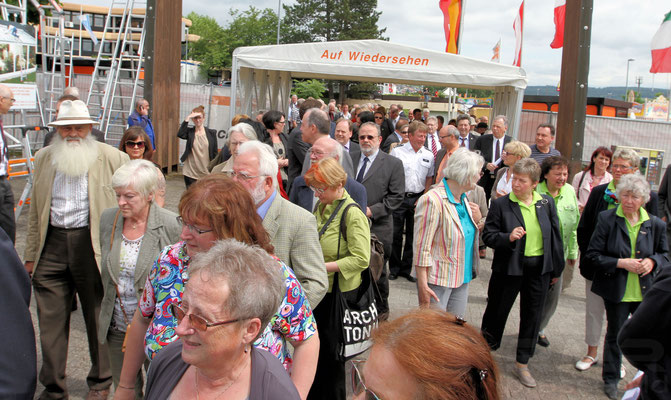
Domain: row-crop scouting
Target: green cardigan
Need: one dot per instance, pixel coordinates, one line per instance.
(354, 250)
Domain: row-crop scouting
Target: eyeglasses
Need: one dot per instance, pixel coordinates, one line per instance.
(130, 143)
(317, 190)
(192, 228)
(199, 323)
(404, 132)
(11, 99)
(378, 117)
(358, 386)
(242, 176)
(280, 122)
(367, 137)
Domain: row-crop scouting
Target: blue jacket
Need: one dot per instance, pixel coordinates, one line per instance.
(303, 196)
(143, 122)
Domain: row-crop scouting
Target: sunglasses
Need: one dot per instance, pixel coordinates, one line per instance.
(199, 323)
(364, 137)
(358, 386)
(130, 143)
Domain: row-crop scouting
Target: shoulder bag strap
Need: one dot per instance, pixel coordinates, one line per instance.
(333, 215)
(116, 287)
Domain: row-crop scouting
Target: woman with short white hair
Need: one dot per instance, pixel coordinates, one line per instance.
(237, 135)
(627, 250)
(131, 235)
(446, 236)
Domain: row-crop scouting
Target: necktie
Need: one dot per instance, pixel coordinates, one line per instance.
(463, 142)
(362, 171)
(434, 150)
(497, 151)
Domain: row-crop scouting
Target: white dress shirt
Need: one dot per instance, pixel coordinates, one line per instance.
(501, 144)
(371, 158)
(70, 201)
(417, 166)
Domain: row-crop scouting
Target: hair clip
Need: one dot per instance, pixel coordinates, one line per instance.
(483, 374)
(460, 320)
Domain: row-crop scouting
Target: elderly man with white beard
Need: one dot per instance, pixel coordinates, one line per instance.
(70, 191)
(292, 230)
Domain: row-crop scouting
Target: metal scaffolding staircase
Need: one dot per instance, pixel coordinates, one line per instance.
(56, 59)
(117, 70)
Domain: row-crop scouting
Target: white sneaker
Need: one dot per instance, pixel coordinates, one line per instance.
(584, 366)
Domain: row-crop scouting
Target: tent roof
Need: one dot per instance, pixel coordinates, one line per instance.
(379, 61)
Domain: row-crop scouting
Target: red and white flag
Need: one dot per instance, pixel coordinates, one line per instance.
(496, 57)
(661, 47)
(560, 17)
(517, 26)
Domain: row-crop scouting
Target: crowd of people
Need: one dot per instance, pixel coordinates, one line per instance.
(247, 291)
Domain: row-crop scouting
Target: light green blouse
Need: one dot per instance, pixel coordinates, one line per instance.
(354, 249)
(568, 214)
(632, 292)
(534, 236)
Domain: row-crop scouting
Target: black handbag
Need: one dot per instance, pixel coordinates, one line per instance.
(354, 314)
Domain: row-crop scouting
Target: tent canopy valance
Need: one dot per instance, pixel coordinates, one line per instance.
(262, 75)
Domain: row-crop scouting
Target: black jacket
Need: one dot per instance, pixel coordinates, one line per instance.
(595, 204)
(645, 339)
(188, 133)
(18, 362)
(504, 216)
(610, 242)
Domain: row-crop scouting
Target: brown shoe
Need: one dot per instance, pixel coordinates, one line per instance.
(95, 394)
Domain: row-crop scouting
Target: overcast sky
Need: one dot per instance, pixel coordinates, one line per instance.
(621, 30)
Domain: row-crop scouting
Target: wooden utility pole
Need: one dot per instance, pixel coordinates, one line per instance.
(163, 52)
(573, 83)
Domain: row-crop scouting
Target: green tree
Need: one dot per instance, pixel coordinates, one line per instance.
(308, 21)
(211, 48)
(309, 88)
(251, 27)
(327, 20)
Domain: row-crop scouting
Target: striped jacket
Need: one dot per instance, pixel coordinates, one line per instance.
(439, 239)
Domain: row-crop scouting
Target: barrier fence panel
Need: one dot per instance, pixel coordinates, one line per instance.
(607, 131)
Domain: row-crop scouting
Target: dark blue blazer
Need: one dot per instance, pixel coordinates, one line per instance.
(18, 362)
(303, 196)
(610, 242)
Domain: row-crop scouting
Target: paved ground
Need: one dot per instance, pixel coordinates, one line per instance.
(552, 367)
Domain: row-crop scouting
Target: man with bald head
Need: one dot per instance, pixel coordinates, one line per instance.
(316, 125)
(6, 196)
(449, 139)
(325, 147)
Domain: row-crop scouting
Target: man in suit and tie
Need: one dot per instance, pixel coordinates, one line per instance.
(432, 140)
(292, 230)
(316, 125)
(491, 146)
(466, 138)
(343, 134)
(70, 191)
(296, 147)
(383, 177)
(325, 147)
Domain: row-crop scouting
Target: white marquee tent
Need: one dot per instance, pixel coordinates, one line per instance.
(262, 75)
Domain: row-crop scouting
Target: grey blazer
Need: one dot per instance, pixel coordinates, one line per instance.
(293, 234)
(162, 230)
(385, 187)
